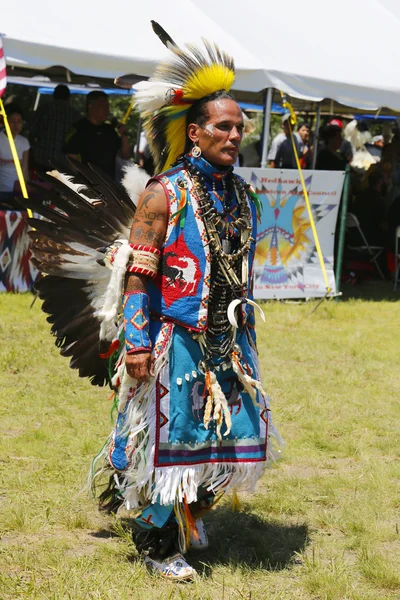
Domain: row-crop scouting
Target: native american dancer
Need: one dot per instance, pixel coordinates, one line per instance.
(166, 316)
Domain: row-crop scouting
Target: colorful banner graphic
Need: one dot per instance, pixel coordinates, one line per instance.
(286, 263)
(17, 274)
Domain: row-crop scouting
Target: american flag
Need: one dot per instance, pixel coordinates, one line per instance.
(3, 78)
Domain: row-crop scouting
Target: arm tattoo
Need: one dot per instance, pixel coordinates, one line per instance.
(153, 237)
(147, 198)
(150, 223)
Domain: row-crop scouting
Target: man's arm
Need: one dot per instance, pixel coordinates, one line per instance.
(71, 146)
(125, 151)
(148, 228)
(25, 164)
(273, 152)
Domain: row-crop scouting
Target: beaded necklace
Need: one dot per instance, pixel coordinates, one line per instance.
(229, 267)
(218, 227)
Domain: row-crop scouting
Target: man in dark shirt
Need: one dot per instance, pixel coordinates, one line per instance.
(330, 158)
(92, 140)
(370, 209)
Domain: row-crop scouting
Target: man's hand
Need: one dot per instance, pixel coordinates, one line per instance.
(140, 365)
(122, 129)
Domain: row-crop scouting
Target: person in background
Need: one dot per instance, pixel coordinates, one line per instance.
(369, 208)
(49, 128)
(330, 157)
(285, 158)
(303, 136)
(375, 147)
(8, 173)
(92, 140)
(281, 153)
(345, 148)
(278, 140)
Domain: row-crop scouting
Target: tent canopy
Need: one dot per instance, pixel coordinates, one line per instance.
(314, 53)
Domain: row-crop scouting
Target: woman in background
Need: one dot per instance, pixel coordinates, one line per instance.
(8, 173)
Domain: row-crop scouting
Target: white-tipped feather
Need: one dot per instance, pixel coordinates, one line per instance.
(134, 181)
(152, 95)
(76, 187)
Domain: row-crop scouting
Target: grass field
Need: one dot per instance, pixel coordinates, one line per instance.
(324, 523)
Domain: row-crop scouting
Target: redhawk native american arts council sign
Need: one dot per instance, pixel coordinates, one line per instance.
(286, 263)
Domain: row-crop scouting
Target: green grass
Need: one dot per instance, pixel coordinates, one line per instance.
(324, 523)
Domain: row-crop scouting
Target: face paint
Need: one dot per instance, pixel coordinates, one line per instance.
(209, 129)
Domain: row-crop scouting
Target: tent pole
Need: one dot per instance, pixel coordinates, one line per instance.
(342, 230)
(267, 122)
(316, 136)
(37, 100)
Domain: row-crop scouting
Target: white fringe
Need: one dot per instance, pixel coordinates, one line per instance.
(142, 483)
(175, 483)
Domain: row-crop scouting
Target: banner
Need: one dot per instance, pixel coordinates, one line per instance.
(286, 263)
(17, 274)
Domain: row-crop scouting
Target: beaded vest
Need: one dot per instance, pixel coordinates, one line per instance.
(181, 291)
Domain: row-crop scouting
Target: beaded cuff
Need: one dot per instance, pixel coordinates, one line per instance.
(136, 322)
(144, 260)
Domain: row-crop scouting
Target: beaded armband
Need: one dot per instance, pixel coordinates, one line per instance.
(144, 260)
(136, 322)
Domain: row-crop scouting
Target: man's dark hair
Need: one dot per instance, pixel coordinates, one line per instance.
(92, 97)
(303, 124)
(61, 92)
(330, 132)
(199, 114)
(14, 109)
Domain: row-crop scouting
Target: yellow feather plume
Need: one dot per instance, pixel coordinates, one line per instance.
(192, 73)
(208, 79)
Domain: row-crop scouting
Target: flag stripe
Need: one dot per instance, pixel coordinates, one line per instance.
(3, 78)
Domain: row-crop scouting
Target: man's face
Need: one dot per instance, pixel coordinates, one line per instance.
(304, 133)
(15, 122)
(219, 139)
(336, 141)
(99, 110)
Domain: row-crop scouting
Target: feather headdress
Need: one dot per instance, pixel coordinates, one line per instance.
(163, 101)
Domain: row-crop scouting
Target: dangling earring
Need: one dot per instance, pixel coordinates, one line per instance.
(196, 152)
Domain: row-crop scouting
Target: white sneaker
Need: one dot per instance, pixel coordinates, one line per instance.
(201, 541)
(174, 567)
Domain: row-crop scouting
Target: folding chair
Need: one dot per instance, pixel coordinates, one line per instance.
(396, 258)
(373, 252)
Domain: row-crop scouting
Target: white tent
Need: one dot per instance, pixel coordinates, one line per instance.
(313, 51)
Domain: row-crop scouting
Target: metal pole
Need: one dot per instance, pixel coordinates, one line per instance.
(342, 230)
(37, 99)
(267, 122)
(316, 136)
